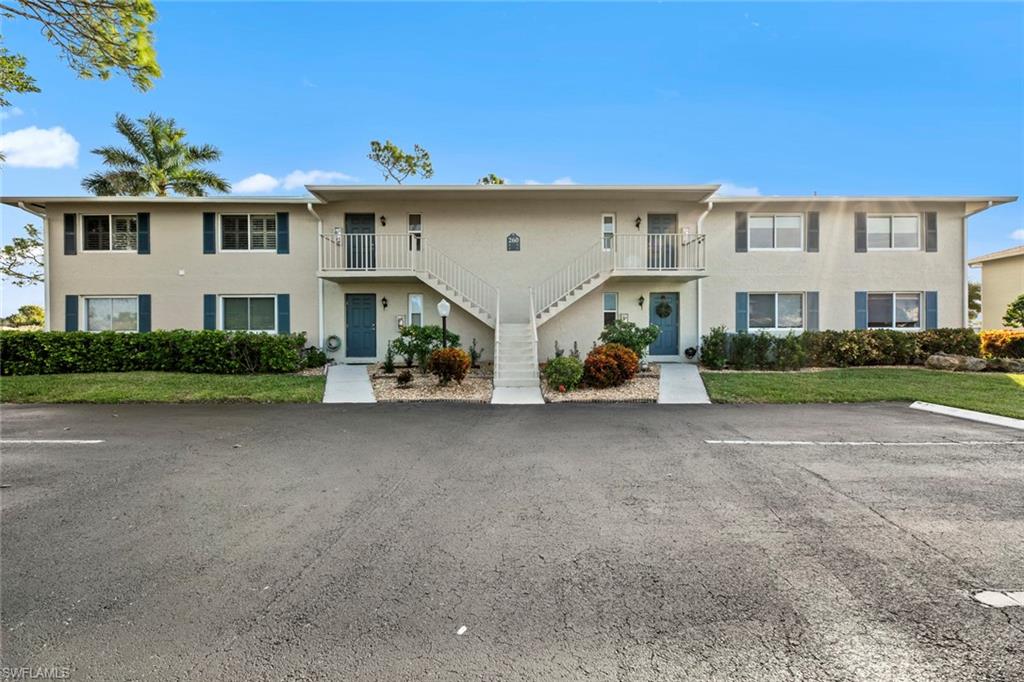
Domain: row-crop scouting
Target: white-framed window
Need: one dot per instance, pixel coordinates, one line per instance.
(607, 231)
(248, 232)
(248, 313)
(784, 232)
(110, 233)
(894, 232)
(415, 231)
(611, 307)
(777, 310)
(111, 313)
(416, 310)
(894, 310)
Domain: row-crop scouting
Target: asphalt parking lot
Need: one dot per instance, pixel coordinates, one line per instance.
(571, 541)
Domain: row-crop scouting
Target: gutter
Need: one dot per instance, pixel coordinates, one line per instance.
(319, 280)
(700, 308)
(46, 263)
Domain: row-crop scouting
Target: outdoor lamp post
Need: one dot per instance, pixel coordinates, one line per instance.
(443, 308)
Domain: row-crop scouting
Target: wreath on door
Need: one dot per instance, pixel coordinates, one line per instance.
(663, 309)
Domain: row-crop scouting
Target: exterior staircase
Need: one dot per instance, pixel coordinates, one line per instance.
(515, 362)
(584, 274)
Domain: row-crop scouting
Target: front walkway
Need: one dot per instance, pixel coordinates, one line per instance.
(348, 384)
(517, 395)
(681, 385)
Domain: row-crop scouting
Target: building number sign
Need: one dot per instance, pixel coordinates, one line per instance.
(512, 242)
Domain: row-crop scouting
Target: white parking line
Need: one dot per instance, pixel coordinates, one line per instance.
(44, 441)
(862, 443)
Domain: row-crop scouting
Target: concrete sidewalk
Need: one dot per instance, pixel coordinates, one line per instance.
(348, 384)
(681, 385)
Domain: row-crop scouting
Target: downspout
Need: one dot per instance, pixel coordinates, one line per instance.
(47, 310)
(700, 308)
(319, 279)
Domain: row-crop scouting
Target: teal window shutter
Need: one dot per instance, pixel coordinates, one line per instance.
(143, 224)
(209, 232)
(811, 323)
(931, 310)
(70, 234)
(860, 309)
(209, 311)
(741, 311)
(741, 232)
(71, 313)
(282, 232)
(813, 221)
(284, 314)
(860, 232)
(145, 313)
(931, 231)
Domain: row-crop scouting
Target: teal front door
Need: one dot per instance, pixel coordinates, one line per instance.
(360, 325)
(361, 246)
(664, 311)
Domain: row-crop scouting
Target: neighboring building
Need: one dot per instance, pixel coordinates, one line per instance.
(1002, 281)
(357, 262)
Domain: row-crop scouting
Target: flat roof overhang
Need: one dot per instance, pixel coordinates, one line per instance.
(690, 193)
(41, 202)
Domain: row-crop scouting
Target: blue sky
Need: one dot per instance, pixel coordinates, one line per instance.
(779, 99)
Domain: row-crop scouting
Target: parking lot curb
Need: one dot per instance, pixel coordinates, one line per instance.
(973, 415)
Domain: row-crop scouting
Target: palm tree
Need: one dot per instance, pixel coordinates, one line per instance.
(158, 160)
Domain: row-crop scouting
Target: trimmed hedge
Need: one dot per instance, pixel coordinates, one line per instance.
(180, 350)
(851, 348)
(998, 343)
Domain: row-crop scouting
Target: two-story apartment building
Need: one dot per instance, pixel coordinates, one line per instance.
(524, 266)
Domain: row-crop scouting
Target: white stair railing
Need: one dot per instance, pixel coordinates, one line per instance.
(475, 289)
(591, 263)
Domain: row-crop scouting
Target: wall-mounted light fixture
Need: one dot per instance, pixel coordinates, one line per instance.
(637, 222)
(383, 221)
(384, 302)
(641, 302)
(337, 233)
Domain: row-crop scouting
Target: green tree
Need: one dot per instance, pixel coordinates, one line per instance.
(396, 164)
(1014, 316)
(973, 300)
(27, 316)
(491, 179)
(21, 261)
(157, 161)
(94, 37)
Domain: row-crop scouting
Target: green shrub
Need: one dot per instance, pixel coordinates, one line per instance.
(788, 352)
(475, 354)
(564, 373)
(713, 348)
(449, 363)
(416, 343)
(179, 350)
(404, 378)
(313, 356)
(741, 351)
(389, 358)
(628, 334)
(949, 340)
(762, 349)
(608, 365)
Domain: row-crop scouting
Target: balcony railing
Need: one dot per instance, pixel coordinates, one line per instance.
(661, 252)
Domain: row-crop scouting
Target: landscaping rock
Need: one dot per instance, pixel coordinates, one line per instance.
(1012, 365)
(955, 363)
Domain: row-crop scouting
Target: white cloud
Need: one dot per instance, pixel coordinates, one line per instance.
(38, 148)
(260, 182)
(532, 182)
(10, 113)
(729, 189)
(1018, 235)
(565, 180)
(298, 178)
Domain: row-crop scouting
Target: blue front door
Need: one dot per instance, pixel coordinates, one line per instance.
(360, 325)
(664, 311)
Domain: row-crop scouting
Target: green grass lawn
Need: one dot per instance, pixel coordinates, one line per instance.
(161, 387)
(990, 392)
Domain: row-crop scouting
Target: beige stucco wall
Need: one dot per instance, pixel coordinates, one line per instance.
(462, 323)
(176, 244)
(836, 271)
(1002, 281)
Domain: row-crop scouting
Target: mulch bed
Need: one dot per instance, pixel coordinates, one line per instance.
(475, 388)
(643, 388)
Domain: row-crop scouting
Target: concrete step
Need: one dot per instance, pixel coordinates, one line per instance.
(508, 376)
(519, 355)
(512, 383)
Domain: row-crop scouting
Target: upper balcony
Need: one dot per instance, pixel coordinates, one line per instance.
(404, 255)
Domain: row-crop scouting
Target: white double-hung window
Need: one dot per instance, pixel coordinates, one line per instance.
(416, 310)
(249, 313)
(894, 310)
(111, 313)
(775, 311)
(775, 232)
(110, 233)
(887, 232)
(245, 232)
